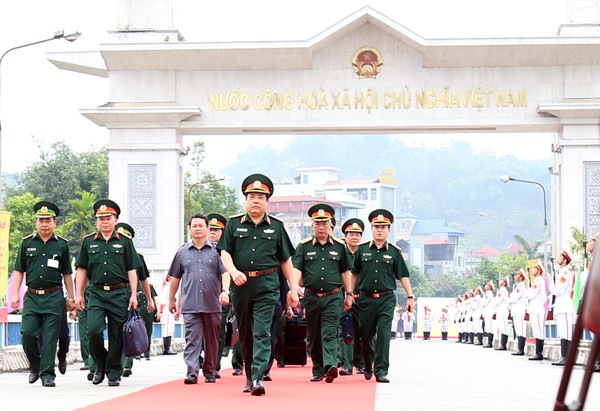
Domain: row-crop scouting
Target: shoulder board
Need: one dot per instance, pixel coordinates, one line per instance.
(62, 238)
(395, 246)
(366, 242)
(306, 240)
(237, 215)
(27, 236)
(338, 240)
(274, 218)
(89, 235)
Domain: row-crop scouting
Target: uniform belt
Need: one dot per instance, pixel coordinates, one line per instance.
(42, 292)
(259, 273)
(320, 295)
(376, 295)
(110, 287)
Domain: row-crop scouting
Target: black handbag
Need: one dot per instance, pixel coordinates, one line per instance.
(232, 334)
(135, 338)
(347, 324)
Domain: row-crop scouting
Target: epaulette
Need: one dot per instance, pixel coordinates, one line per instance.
(395, 246)
(89, 235)
(28, 236)
(62, 238)
(306, 240)
(274, 218)
(237, 215)
(366, 242)
(339, 240)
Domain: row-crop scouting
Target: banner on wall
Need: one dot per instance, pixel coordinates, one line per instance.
(4, 243)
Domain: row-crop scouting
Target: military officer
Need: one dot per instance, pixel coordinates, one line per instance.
(324, 264)
(563, 309)
(45, 258)
(537, 297)
(501, 303)
(216, 225)
(377, 266)
(146, 306)
(487, 311)
(253, 245)
(351, 356)
(518, 306)
(108, 261)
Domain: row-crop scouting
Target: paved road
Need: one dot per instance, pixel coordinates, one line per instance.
(425, 375)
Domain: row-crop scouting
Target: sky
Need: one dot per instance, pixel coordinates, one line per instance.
(39, 103)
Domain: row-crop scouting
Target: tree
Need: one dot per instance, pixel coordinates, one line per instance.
(529, 248)
(448, 286)
(419, 282)
(80, 222)
(22, 223)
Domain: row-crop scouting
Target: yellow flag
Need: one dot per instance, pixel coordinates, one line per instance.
(4, 243)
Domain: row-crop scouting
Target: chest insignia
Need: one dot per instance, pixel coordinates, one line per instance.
(94, 245)
(333, 253)
(31, 249)
(269, 231)
(311, 253)
(118, 245)
(243, 230)
(387, 256)
(366, 254)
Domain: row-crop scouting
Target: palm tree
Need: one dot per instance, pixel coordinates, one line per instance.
(529, 248)
(81, 221)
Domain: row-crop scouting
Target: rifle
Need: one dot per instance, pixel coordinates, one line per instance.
(550, 314)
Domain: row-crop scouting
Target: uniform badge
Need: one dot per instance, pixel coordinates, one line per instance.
(367, 62)
(387, 256)
(268, 231)
(311, 253)
(333, 253)
(243, 230)
(118, 245)
(31, 249)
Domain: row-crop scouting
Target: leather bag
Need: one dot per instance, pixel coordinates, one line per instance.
(135, 338)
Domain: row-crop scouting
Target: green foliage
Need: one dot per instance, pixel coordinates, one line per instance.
(80, 222)
(448, 286)
(22, 223)
(529, 248)
(419, 282)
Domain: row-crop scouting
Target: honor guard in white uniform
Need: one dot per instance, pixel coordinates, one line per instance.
(488, 304)
(444, 322)
(537, 297)
(408, 319)
(518, 305)
(477, 316)
(427, 323)
(469, 317)
(561, 289)
(502, 312)
(458, 319)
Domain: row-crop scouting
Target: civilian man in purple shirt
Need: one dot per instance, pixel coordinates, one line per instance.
(204, 289)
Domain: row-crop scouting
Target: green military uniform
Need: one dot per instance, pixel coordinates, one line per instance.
(378, 269)
(256, 250)
(321, 266)
(45, 263)
(107, 263)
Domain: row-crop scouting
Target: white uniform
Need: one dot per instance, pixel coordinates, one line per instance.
(563, 305)
(488, 308)
(444, 320)
(427, 321)
(407, 322)
(477, 322)
(537, 297)
(518, 305)
(502, 310)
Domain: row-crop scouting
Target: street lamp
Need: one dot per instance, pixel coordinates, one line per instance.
(57, 35)
(226, 178)
(506, 179)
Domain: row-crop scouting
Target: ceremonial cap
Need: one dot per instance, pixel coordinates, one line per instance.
(522, 273)
(505, 279)
(216, 220)
(125, 229)
(353, 225)
(381, 217)
(321, 212)
(257, 183)
(540, 267)
(491, 284)
(106, 207)
(46, 209)
(566, 255)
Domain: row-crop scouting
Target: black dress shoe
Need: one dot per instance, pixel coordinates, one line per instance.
(382, 379)
(267, 377)
(257, 388)
(48, 383)
(33, 376)
(536, 357)
(114, 382)
(127, 372)
(368, 374)
(280, 364)
(98, 377)
(84, 368)
(236, 371)
(561, 361)
(345, 371)
(331, 374)
(62, 367)
(316, 378)
(90, 376)
(210, 379)
(217, 375)
(517, 353)
(190, 379)
(248, 386)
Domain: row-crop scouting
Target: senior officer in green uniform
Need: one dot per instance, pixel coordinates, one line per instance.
(45, 258)
(377, 266)
(324, 264)
(146, 306)
(253, 245)
(351, 356)
(107, 260)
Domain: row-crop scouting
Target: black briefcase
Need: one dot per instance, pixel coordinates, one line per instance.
(135, 338)
(232, 334)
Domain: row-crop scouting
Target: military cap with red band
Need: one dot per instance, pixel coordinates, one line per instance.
(566, 255)
(321, 212)
(381, 217)
(216, 220)
(106, 207)
(353, 225)
(257, 183)
(46, 209)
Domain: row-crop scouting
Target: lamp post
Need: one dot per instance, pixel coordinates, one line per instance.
(57, 35)
(197, 184)
(506, 179)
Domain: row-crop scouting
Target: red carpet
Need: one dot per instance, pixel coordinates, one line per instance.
(289, 390)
